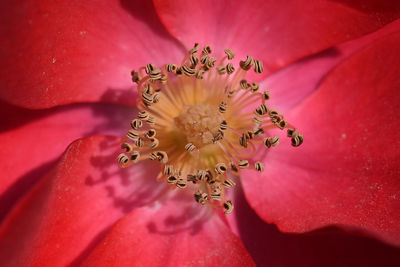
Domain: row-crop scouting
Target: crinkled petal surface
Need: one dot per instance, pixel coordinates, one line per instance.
(172, 233)
(277, 33)
(59, 52)
(347, 171)
(72, 207)
(32, 141)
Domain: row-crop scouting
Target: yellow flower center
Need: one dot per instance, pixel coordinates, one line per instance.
(199, 123)
(195, 120)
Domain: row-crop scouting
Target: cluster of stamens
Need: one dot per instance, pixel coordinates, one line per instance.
(193, 120)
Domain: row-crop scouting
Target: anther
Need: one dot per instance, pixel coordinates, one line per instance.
(257, 121)
(228, 183)
(135, 76)
(220, 168)
(243, 164)
(143, 115)
(221, 70)
(266, 95)
(200, 73)
(162, 156)
(168, 170)
(258, 66)
(156, 98)
(139, 142)
(151, 121)
(193, 61)
(229, 53)
(204, 58)
(149, 68)
(207, 50)
(151, 133)
(191, 178)
(215, 195)
(154, 143)
(261, 110)
(147, 99)
(123, 159)
(259, 132)
(201, 175)
(201, 197)
(229, 68)
(228, 205)
(271, 141)
(210, 62)
(222, 107)
(273, 113)
(194, 49)
(171, 67)
(244, 84)
(223, 126)
(282, 124)
(249, 135)
(190, 147)
(233, 167)
(136, 124)
(259, 166)
(159, 155)
(246, 65)
(172, 179)
(135, 156)
(188, 71)
(292, 133)
(133, 135)
(298, 140)
(218, 136)
(243, 140)
(128, 147)
(181, 183)
(254, 86)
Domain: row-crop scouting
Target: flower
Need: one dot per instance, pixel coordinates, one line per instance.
(86, 210)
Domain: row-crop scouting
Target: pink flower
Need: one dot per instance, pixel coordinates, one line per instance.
(331, 68)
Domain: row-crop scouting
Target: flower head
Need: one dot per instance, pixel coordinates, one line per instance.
(203, 121)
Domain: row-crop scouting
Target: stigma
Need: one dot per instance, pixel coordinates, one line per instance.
(194, 119)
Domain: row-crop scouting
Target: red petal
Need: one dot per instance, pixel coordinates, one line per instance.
(347, 170)
(31, 141)
(327, 247)
(307, 73)
(71, 209)
(277, 33)
(173, 233)
(58, 52)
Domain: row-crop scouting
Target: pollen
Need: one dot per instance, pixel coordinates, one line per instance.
(195, 119)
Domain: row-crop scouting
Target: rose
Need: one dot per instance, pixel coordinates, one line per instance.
(69, 65)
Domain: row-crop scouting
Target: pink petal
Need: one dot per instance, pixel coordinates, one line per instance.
(172, 233)
(347, 170)
(72, 208)
(59, 52)
(328, 247)
(31, 141)
(277, 33)
(306, 74)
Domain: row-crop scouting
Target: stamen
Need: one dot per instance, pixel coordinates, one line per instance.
(184, 123)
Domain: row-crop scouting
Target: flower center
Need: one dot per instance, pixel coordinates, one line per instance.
(199, 123)
(195, 120)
